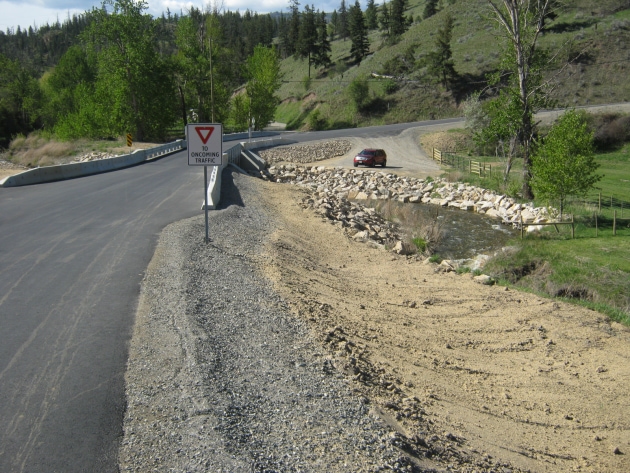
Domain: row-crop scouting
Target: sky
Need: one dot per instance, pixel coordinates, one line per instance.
(27, 13)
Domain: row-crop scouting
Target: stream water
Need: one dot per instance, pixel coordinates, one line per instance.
(467, 234)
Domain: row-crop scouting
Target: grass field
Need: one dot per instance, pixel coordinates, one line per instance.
(591, 271)
(38, 149)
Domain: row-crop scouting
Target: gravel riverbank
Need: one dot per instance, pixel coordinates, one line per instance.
(222, 377)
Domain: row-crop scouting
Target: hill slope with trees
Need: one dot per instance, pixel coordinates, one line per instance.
(402, 60)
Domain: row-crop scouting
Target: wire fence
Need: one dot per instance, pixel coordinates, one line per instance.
(601, 203)
(450, 158)
(597, 213)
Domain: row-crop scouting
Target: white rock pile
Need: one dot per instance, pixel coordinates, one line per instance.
(359, 222)
(93, 156)
(305, 153)
(357, 184)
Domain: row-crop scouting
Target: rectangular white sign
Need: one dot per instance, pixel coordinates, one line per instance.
(205, 144)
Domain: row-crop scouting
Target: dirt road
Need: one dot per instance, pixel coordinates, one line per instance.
(453, 365)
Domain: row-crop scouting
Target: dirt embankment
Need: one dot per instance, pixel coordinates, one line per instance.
(468, 374)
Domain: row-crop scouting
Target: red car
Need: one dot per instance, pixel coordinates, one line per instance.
(371, 157)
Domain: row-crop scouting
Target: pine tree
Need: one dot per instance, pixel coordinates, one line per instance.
(294, 27)
(430, 9)
(283, 36)
(344, 21)
(334, 24)
(440, 62)
(384, 19)
(322, 47)
(307, 36)
(371, 15)
(398, 22)
(358, 33)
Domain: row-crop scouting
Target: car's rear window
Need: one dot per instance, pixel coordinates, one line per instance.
(367, 153)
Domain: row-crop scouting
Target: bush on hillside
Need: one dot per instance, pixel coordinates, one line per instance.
(611, 130)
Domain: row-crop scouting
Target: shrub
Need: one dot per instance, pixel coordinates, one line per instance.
(436, 258)
(315, 121)
(390, 86)
(306, 83)
(420, 244)
(359, 91)
(611, 130)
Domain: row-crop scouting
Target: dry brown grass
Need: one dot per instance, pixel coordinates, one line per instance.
(452, 141)
(415, 224)
(37, 150)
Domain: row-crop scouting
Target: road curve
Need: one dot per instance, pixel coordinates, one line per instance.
(72, 255)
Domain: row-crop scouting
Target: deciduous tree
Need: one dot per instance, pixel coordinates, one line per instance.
(263, 74)
(134, 90)
(564, 164)
(522, 22)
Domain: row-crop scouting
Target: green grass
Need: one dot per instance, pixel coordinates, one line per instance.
(594, 272)
(615, 167)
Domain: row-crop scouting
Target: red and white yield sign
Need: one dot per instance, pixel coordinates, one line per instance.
(205, 144)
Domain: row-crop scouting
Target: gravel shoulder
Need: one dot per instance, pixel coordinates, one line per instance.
(223, 377)
(284, 345)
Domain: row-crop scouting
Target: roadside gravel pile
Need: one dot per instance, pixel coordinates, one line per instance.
(365, 185)
(4, 164)
(306, 153)
(221, 377)
(93, 156)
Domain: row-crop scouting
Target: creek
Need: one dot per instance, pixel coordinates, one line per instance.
(467, 234)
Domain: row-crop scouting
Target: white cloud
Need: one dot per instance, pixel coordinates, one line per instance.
(14, 14)
(27, 13)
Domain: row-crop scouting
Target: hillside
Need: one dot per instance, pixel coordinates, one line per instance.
(590, 38)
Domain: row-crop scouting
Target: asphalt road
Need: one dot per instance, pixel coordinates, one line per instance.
(72, 255)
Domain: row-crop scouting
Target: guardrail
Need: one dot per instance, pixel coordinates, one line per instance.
(233, 157)
(69, 171)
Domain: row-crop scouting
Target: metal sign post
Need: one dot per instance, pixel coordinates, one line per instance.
(205, 148)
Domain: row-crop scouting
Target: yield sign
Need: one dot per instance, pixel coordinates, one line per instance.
(204, 132)
(205, 144)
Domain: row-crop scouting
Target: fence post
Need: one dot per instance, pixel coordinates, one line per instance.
(600, 201)
(522, 226)
(596, 229)
(572, 227)
(614, 222)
